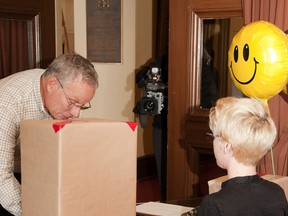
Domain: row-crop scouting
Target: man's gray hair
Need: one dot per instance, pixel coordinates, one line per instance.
(68, 67)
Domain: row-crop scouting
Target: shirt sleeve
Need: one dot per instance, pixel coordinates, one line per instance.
(208, 207)
(10, 189)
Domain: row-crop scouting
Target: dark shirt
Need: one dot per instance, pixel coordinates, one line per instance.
(245, 196)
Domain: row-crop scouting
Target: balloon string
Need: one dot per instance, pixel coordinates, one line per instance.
(272, 159)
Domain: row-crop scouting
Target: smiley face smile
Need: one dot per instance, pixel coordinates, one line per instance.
(251, 79)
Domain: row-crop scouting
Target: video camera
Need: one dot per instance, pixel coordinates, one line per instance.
(152, 101)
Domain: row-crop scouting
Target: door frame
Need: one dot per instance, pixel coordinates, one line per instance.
(42, 15)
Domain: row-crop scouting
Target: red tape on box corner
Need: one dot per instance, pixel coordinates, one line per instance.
(59, 125)
(132, 125)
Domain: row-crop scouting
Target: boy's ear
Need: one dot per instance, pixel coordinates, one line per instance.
(228, 148)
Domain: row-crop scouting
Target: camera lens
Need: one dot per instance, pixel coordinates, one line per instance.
(149, 106)
(154, 70)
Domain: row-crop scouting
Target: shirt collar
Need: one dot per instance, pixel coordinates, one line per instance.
(241, 180)
(37, 92)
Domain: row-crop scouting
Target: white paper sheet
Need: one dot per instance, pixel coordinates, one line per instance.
(162, 209)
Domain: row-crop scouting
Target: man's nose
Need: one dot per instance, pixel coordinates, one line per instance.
(75, 112)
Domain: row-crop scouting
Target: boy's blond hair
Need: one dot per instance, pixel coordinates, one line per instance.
(245, 123)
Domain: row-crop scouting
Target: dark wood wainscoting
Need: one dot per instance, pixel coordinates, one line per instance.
(146, 167)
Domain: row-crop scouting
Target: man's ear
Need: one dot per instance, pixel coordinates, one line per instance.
(51, 84)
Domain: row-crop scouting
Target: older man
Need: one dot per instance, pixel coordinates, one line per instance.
(60, 92)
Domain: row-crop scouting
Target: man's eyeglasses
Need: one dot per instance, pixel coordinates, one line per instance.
(212, 135)
(70, 104)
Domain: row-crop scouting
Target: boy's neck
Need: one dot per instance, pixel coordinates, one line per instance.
(236, 169)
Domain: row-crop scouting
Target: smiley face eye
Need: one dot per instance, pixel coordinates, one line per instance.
(246, 52)
(236, 53)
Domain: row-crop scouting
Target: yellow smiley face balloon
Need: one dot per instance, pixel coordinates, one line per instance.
(258, 60)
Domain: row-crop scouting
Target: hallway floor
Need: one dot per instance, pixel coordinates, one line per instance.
(148, 190)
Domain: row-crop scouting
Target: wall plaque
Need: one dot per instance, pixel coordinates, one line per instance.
(104, 31)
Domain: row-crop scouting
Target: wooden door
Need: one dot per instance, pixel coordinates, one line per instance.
(187, 122)
(40, 18)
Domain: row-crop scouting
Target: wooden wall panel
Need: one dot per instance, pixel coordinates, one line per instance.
(187, 124)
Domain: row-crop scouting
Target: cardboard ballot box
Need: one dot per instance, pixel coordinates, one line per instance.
(84, 167)
(215, 184)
